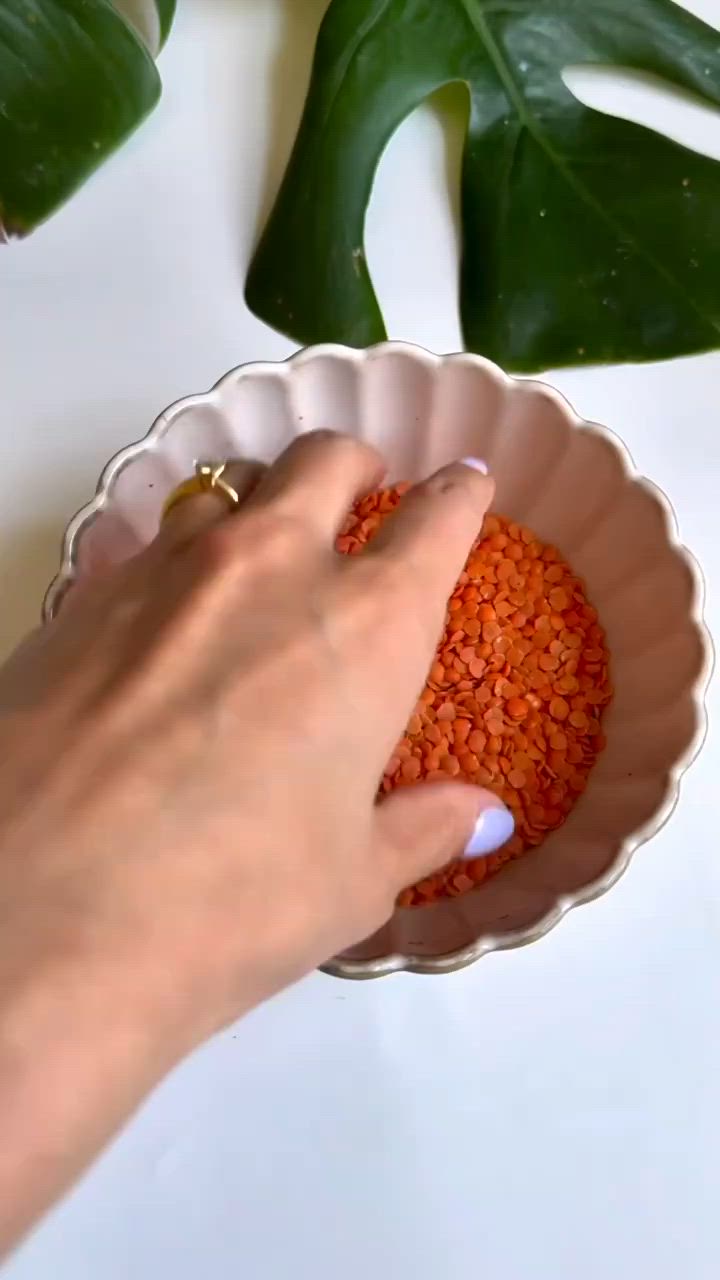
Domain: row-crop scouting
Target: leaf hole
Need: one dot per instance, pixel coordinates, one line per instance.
(412, 226)
(648, 100)
(143, 16)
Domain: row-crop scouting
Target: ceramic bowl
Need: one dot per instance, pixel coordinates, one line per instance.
(575, 485)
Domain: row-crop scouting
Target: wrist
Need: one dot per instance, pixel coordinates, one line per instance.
(82, 1040)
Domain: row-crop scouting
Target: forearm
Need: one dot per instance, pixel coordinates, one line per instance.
(187, 825)
(80, 1046)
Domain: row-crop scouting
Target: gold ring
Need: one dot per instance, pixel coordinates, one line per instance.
(209, 478)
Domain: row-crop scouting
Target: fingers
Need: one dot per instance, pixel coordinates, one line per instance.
(316, 480)
(435, 526)
(422, 828)
(319, 478)
(190, 518)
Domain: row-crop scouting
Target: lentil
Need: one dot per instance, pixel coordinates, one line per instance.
(515, 694)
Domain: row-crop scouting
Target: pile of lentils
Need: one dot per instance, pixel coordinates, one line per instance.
(515, 696)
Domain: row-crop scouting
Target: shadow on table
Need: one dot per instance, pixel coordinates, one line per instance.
(30, 546)
(29, 558)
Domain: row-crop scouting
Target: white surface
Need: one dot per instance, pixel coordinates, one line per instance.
(553, 1113)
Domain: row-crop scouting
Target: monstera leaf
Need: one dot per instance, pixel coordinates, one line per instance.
(585, 238)
(75, 80)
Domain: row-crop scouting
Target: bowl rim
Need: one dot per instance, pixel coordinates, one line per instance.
(398, 962)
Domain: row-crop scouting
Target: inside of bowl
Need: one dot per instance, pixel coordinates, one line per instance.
(571, 485)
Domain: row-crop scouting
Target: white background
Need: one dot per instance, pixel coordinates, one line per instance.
(551, 1114)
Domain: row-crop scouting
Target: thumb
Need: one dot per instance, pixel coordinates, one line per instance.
(424, 827)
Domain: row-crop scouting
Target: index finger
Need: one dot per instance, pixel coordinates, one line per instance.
(432, 531)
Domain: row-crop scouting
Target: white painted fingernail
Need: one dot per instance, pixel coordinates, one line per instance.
(477, 464)
(493, 828)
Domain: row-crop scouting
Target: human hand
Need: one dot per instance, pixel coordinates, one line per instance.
(192, 749)
(200, 734)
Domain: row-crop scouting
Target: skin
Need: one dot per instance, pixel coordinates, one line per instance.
(188, 817)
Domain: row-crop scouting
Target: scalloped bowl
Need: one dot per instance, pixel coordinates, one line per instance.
(570, 481)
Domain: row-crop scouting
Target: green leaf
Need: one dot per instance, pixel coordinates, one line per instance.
(585, 238)
(75, 81)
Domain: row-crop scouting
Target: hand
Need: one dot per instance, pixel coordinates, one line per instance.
(191, 756)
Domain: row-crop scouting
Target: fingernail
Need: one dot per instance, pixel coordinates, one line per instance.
(477, 464)
(492, 829)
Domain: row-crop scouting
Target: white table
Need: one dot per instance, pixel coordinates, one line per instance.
(551, 1114)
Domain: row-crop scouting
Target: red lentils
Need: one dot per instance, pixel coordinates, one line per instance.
(516, 692)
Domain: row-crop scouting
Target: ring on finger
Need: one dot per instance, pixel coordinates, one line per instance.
(209, 478)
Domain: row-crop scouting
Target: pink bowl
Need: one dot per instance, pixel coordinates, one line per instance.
(575, 485)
